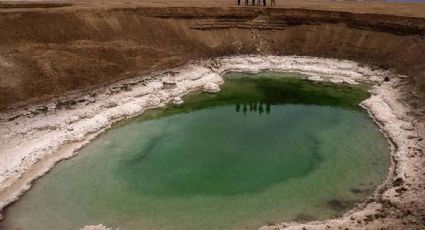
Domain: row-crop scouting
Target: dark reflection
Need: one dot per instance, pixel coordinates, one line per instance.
(256, 107)
(257, 95)
(339, 205)
(260, 108)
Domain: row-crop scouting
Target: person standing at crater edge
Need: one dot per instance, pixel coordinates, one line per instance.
(246, 2)
(273, 2)
(239, 2)
(253, 2)
(264, 3)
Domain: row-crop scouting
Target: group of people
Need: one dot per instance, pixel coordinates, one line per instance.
(272, 2)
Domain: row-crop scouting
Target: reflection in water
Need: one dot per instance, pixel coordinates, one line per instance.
(253, 107)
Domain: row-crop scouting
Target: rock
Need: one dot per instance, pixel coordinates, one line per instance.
(398, 181)
(211, 88)
(178, 101)
(95, 227)
(126, 87)
(67, 104)
(401, 189)
(315, 78)
(412, 136)
(350, 81)
(72, 119)
(110, 104)
(336, 81)
(90, 101)
(42, 109)
(13, 117)
(153, 101)
(407, 126)
(169, 85)
(113, 90)
(195, 77)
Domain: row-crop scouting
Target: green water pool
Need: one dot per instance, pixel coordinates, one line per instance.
(268, 148)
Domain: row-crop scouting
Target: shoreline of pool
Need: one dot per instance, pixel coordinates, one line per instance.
(36, 138)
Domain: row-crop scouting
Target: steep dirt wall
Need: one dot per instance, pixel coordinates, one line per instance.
(47, 54)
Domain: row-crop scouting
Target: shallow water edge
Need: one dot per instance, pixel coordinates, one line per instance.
(56, 133)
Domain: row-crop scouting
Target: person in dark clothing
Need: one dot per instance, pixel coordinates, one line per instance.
(246, 2)
(239, 2)
(253, 2)
(264, 3)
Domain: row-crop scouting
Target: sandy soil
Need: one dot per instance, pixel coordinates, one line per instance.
(37, 137)
(367, 6)
(90, 45)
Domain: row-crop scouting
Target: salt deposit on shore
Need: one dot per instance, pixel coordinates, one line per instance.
(35, 138)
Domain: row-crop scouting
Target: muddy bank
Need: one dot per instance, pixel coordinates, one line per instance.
(46, 53)
(36, 137)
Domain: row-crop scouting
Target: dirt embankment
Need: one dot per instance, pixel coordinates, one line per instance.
(44, 54)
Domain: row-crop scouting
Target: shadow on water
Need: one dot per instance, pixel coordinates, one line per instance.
(340, 205)
(259, 94)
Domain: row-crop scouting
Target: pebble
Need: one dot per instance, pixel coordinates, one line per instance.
(178, 101)
(211, 88)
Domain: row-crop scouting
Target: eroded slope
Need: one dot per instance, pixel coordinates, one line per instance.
(46, 53)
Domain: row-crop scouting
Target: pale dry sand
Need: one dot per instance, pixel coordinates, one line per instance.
(352, 6)
(35, 138)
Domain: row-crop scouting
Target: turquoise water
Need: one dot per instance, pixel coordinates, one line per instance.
(266, 149)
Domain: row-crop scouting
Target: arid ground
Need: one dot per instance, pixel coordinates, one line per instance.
(49, 50)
